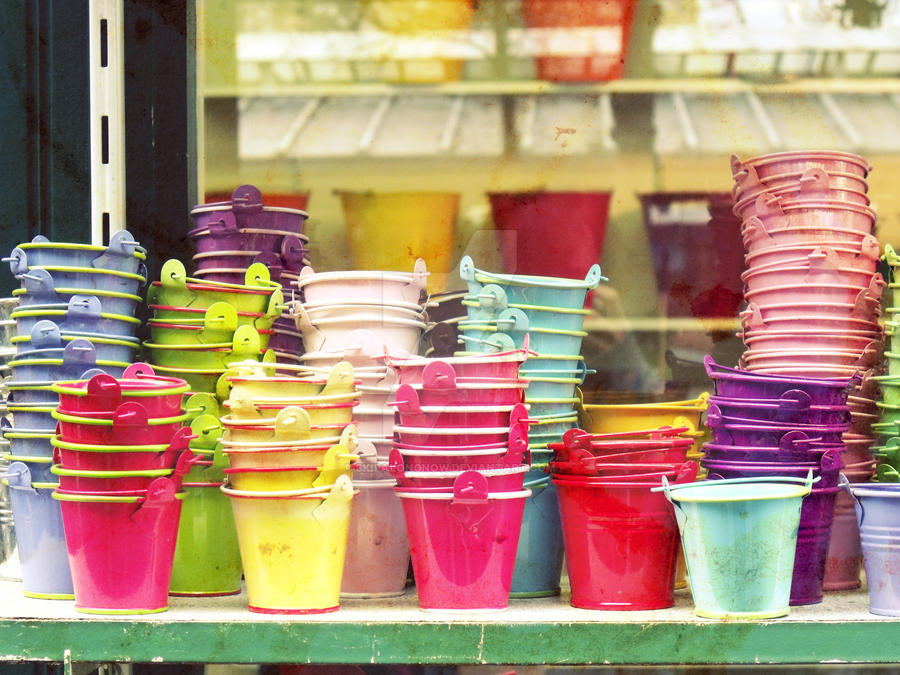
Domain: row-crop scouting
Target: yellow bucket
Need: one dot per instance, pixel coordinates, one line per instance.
(606, 419)
(293, 546)
(423, 18)
(390, 231)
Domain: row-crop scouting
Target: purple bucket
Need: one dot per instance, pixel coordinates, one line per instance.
(735, 383)
(794, 447)
(828, 469)
(286, 342)
(792, 407)
(247, 210)
(816, 516)
(748, 432)
(40, 537)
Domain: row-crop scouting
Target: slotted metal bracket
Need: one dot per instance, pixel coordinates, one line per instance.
(452, 125)
(107, 95)
(607, 122)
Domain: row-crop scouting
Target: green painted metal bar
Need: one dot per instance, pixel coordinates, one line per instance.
(298, 641)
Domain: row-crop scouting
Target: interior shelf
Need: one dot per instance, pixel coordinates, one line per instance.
(722, 86)
(541, 631)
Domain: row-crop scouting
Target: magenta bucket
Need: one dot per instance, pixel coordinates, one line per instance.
(505, 479)
(40, 537)
(377, 558)
(121, 549)
(91, 457)
(127, 424)
(794, 406)
(440, 375)
(160, 396)
(828, 468)
(463, 544)
(246, 210)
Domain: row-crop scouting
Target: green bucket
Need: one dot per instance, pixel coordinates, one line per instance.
(207, 559)
(739, 537)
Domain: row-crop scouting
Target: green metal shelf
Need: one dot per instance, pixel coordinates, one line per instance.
(546, 631)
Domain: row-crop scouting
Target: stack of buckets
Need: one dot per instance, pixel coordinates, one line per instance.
(814, 295)
(629, 417)
(230, 236)
(9, 561)
(460, 459)
(771, 425)
(289, 442)
(199, 328)
(888, 427)
(359, 316)
(75, 313)
(621, 540)
(119, 455)
(503, 311)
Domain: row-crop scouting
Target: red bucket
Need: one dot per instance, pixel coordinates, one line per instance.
(538, 228)
(613, 15)
(463, 543)
(621, 543)
(121, 549)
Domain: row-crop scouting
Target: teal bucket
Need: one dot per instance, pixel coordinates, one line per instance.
(539, 558)
(739, 538)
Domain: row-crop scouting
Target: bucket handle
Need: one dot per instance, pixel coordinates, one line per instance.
(844, 484)
(340, 493)
(18, 477)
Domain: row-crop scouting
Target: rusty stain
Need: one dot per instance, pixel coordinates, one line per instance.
(562, 131)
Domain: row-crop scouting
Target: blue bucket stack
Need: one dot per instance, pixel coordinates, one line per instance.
(75, 314)
(546, 316)
(9, 561)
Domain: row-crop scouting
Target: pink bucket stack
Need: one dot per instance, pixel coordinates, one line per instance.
(121, 453)
(460, 457)
(358, 316)
(231, 235)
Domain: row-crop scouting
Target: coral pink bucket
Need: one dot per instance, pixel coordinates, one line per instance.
(121, 549)
(463, 544)
(377, 559)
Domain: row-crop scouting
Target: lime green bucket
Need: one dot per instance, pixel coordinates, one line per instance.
(739, 537)
(207, 558)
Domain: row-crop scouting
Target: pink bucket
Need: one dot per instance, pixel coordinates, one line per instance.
(758, 236)
(747, 181)
(127, 424)
(121, 550)
(90, 457)
(377, 558)
(810, 293)
(768, 340)
(778, 214)
(758, 279)
(797, 194)
(410, 412)
(463, 544)
(834, 255)
(442, 374)
(160, 396)
(777, 163)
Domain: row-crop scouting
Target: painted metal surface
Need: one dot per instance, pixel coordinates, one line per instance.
(544, 631)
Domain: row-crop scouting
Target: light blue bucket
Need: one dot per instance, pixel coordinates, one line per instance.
(34, 393)
(553, 362)
(87, 279)
(491, 301)
(524, 289)
(542, 407)
(539, 558)
(47, 336)
(878, 514)
(39, 289)
(541, 340)
(123, 254)
(80, 314)
(739, 538)
(40, 537)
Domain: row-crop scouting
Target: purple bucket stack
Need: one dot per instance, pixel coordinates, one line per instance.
(231, 235)
(773, 425)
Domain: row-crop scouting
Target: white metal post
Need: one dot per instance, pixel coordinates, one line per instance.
(107, 76)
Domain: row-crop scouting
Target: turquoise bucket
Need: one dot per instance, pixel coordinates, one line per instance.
(739, 538)
(539, 558)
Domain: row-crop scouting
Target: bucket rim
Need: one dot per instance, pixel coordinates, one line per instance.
(139, 252)
(100, 422)
(801, 488)
(403, 493)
